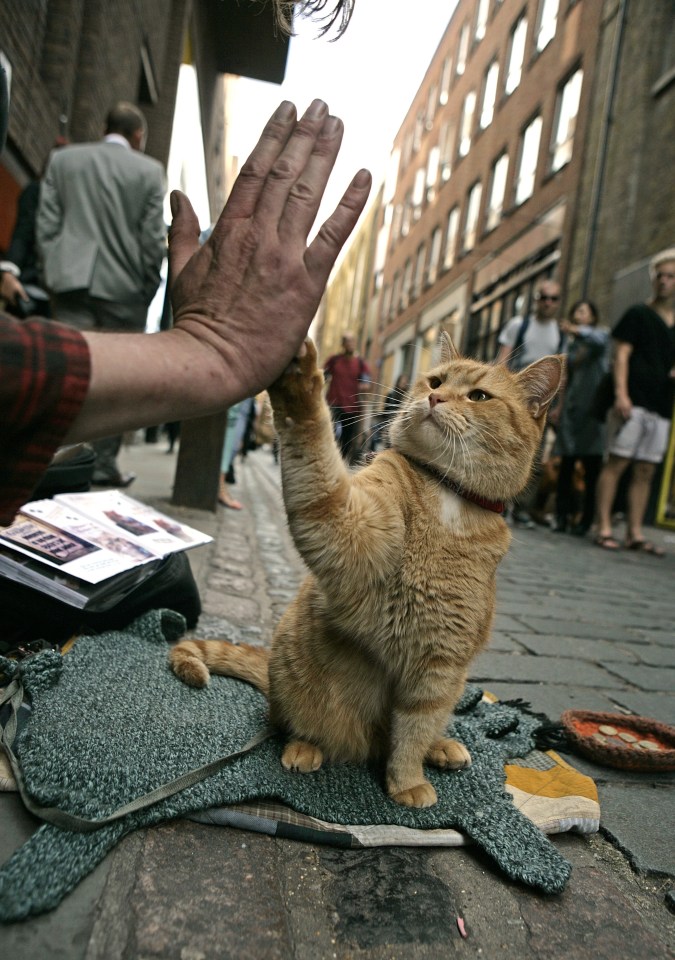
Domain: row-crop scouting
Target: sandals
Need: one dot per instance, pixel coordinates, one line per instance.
(607, 542)
(645, 546)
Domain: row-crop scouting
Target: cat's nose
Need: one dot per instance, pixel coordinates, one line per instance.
(434, 398)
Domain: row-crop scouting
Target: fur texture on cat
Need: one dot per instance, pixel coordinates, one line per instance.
(369, 660)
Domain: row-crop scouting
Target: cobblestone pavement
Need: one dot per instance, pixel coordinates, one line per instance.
(576, 628)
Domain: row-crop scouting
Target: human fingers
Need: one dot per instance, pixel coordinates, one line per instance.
(183, 233)
(323, 250)
(249, 184)
(304, 198)
(291, 164)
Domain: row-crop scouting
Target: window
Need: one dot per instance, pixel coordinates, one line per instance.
(432, 173)
(418, 193)
(434, 256)
(431, 107)
(396, 222)
(407, 279)
(548, 17)
(407, 215)
(529, 152)
(407, 150)
(481, 19)
(497, 192)
(462, 50)
(451, 238)
(419, 129)
(489, 95)
(467, 123)
(445, 146)
(567, 108)
(472, 211)
(516, 55)
(386, 304)
(396, 295)
(419, 270)
(446, 76)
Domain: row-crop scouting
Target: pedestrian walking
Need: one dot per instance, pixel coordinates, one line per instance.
(348, 377)
(102, 236)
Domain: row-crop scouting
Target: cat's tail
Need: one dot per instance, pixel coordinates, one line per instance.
(194, 660)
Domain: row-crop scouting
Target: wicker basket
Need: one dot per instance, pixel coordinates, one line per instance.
(625, 747)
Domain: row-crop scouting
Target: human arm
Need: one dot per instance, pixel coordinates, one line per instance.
(11, 287)
(622, 401)
(242, 302)
(44, 380)
(50, 211)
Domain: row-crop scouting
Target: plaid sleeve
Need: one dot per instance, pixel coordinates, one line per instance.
(44, 377)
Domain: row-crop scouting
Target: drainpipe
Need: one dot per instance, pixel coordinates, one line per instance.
(601, 159)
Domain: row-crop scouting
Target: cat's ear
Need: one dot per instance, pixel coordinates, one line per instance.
(448, 351)
(541, 381)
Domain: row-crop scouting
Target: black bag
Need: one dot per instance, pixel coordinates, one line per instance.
(603, 398)
(30, 615)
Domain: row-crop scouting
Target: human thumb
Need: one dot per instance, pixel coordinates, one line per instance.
(183, 233)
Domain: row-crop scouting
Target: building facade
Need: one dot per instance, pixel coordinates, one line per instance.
(626, 209)
(486, 167)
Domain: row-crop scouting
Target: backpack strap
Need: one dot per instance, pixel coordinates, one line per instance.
(513, 360)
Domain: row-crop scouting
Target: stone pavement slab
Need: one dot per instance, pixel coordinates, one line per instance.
(647, 678)
(637, 818)
(553, 699)
(659, 706)
(540, 669)
(575, 648)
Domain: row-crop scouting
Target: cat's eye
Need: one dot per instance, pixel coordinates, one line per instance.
(435, 382)
(477, 396)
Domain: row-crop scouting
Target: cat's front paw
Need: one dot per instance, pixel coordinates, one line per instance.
(298, 392)
(448, 755)
(301, 757)
(421, 795)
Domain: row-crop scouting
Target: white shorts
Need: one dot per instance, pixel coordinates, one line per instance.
(644, 436)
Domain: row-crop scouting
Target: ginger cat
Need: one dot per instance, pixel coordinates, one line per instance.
(369, 660)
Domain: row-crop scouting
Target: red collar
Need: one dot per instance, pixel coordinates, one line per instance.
(495, 505)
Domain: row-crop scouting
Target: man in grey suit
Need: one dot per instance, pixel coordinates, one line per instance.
(102, 237)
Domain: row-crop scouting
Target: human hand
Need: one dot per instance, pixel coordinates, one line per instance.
(11, 288)
(623, 406)
(251, 291)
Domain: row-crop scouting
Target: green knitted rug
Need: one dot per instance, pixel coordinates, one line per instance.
(110, 722)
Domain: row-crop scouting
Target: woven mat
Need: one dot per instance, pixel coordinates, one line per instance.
(110, 722)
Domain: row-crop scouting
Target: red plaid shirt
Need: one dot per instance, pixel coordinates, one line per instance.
(44, 377)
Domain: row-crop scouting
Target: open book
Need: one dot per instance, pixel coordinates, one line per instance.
(86, 548)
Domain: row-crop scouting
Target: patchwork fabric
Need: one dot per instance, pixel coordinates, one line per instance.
(110, 722)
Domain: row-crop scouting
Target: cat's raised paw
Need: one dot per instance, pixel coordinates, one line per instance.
(421, 795)
(299, 389)
(301, 757)
(448, 755)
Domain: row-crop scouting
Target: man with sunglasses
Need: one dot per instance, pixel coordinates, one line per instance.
(524, 340)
